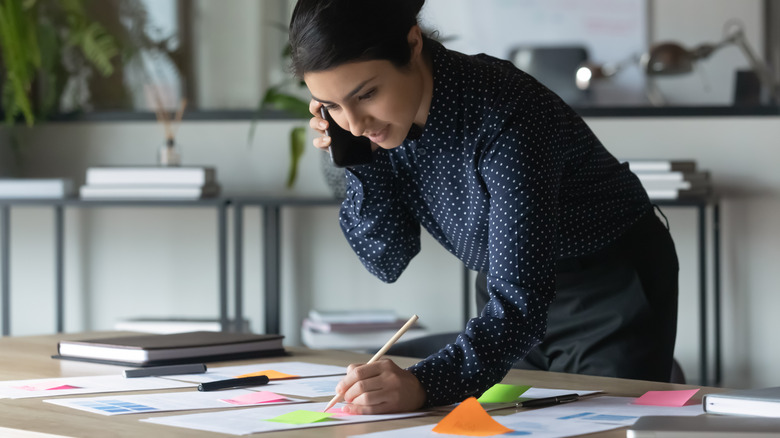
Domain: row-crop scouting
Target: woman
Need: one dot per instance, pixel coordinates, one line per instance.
(510, 180)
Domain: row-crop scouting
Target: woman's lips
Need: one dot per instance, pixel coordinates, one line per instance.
(379, 136)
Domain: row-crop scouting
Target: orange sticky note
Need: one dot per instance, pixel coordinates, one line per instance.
(666, 398)
(469, 418)
(271, 374)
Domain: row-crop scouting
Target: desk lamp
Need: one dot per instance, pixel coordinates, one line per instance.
(669, 58)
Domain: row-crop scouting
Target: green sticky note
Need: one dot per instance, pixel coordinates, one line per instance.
(301, 417)
(503, 393)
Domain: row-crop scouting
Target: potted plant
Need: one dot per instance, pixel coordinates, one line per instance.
(295, 106)
(37, 40)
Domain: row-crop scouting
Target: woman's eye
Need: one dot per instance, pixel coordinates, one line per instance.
(368, 95)
(331, 107)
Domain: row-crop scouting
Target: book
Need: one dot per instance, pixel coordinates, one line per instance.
(703, 426)
(662, 165)
(186, 192)
(146, 175)
(352, 327)
(359, 341)
(680, 194)
(675, 180)
(39, 188)
(757, 402)
(175, 325)
(699, 176)
(353, 316)
(153, 350)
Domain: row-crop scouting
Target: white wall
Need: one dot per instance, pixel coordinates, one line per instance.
(742, 154)
(146, 262)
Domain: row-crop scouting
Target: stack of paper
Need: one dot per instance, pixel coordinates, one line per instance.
(150, 183)
(354, 330)
(39, 188)
(671, 179)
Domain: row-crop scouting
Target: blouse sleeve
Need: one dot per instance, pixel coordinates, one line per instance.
(521, 168)
(378, 226)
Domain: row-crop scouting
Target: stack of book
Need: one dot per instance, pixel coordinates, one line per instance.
(360, 330)
(39, 188)
(186, 183)
(169, 349)
(672, 179)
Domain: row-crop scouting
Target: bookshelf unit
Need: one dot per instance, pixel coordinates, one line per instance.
(271, 206)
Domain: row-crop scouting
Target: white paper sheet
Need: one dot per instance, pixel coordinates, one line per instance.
(310, 387)
(301, 369)
(252, 420)
(171, 401)
(576, 418)
(53, 387)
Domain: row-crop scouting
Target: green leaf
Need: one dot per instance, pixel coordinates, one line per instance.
(286, 102)
(19, 51)
(99, 48)
(297, 146)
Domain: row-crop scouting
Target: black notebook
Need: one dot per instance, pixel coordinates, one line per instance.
(154, 350)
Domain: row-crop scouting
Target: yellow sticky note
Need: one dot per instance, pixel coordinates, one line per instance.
(301, 417)
(503, 393)
(470, 419)
(271, 374)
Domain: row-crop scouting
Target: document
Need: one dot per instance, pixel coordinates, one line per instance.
(172, 401)
(311, 387)
(271, 418)
(58, 386)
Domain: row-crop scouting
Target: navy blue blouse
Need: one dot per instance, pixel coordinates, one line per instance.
(506, 177)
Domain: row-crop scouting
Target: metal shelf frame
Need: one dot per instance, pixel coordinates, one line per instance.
(220, 204)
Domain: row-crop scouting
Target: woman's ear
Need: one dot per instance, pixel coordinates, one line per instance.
(415, 39)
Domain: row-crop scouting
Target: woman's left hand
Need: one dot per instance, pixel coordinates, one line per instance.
(380, 388)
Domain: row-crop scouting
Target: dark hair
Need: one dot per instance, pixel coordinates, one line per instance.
(327, 33)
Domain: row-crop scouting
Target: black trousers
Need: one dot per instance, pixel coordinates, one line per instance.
(615, 312)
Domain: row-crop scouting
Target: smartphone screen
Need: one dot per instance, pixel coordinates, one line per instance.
(346, 150)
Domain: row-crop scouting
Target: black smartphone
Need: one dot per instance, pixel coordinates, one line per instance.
(345, 149)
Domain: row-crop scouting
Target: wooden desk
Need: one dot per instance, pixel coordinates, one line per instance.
(27, 357)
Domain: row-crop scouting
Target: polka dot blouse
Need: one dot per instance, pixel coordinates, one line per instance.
(508, 179)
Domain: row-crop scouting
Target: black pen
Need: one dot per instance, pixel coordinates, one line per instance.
(548, 401)
(167, 370)
(241, 382)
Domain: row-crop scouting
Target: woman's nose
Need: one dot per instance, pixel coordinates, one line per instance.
(357, 124)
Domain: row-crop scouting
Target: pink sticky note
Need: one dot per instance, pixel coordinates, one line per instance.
(62, 387)
(44, 388)
(337, 412)
(26, 388)
(255, 398)
(666, 398)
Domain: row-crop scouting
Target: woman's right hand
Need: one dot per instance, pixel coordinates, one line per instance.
(319, 124)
